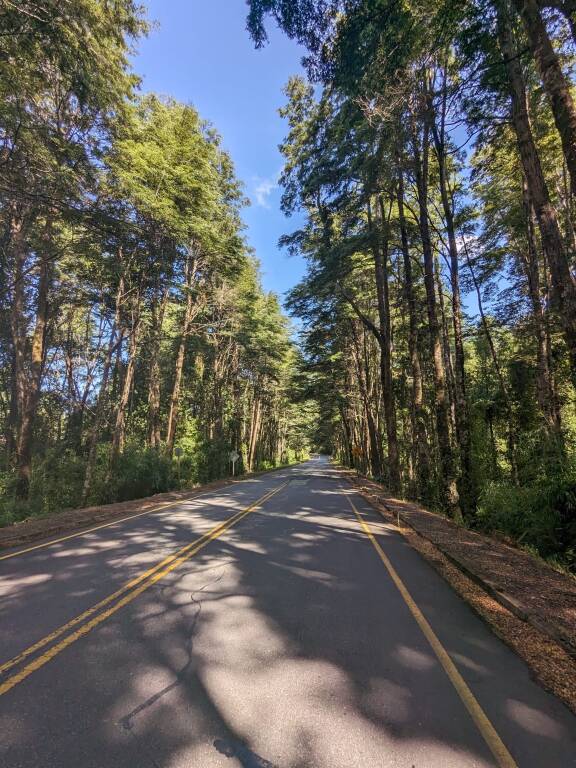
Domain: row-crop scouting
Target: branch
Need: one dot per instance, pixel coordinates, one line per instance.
(361, 316)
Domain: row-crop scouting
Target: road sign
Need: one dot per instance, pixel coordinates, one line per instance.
(178, 452)
(233, 456)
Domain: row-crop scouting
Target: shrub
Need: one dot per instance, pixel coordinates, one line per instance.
(541, 516)
(58, 478)
(56, 483)
(140, 472)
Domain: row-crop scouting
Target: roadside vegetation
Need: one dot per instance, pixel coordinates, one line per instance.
(138, 349)
(433, 151)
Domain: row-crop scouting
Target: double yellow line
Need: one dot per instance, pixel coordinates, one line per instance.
(98, 613)
(83, 532)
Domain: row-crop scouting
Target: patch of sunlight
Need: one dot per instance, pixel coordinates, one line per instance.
(532, 720)
(413, 659)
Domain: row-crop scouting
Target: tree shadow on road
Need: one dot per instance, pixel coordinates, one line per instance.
(284, 644)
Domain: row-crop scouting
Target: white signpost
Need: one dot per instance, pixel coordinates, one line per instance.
(234, 456)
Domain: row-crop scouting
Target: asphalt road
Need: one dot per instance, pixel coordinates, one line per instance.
(304, 634)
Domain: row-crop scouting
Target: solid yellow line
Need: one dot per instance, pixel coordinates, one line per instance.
(104, 525)
(146, 579)
(491, 737)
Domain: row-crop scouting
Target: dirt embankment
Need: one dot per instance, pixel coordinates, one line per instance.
(43, 527)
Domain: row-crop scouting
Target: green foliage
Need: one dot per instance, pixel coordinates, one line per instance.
(542, 517)
(133, 319)
(140, 472)
(58, 475)
(56, 481)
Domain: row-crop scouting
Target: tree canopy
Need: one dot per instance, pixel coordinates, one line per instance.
(138, 348)
(431, 151)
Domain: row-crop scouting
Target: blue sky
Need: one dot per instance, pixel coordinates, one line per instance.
(200, 53)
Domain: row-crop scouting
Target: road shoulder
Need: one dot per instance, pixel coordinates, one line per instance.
(38, 528)
(528, 605)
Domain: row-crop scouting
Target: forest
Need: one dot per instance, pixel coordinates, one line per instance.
(432, 147)
(138, 348)
(430, 153)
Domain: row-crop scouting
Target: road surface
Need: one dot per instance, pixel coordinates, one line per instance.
(302, 633)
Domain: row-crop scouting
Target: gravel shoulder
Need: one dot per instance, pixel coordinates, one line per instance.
(36, 528)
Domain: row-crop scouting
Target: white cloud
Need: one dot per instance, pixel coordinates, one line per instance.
(263, 190)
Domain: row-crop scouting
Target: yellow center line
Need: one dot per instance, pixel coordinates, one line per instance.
(131, 591)
(160, 507)
(503, 758)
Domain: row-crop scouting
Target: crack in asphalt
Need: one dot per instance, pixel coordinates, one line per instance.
(126, 723)
(239, 750)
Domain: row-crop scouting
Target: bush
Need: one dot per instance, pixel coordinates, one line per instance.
(209, 460)
(58, 478)
(541, 516)
(8, 513)
(140, 472)
(56, 483)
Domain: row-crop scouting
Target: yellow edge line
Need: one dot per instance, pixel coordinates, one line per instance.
(156, 572)
(104, 525)
(491, 737)
(116, 522)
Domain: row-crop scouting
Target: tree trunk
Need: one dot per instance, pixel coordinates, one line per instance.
(563, 284)
(372, 410)
(418, 417)
(556, 84)
(254, 432)
(373, 438)
(158, 311)
(18, 331)
(546, 392)
(29, 381)
(512, 438)
(10, 425)
(449, 488)
(446, 349)
(119, 435)
(461, 405)
(348, 439)
(37, 356)
(380, 254)
(180, 357)
(238, 410)
(115, 344)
